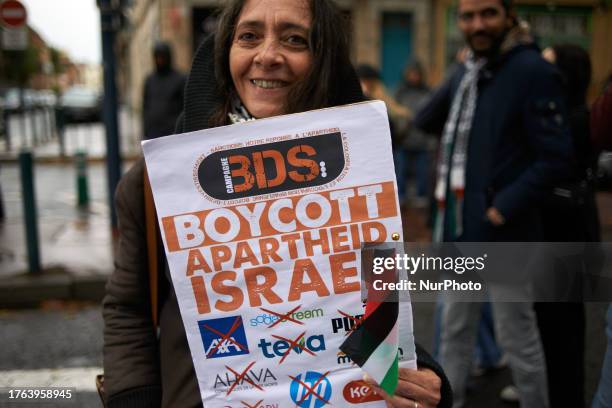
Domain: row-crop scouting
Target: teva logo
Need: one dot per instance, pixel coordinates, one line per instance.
(271, 167)
(344, 359)
(250, 379)
(346, 323)
(310, 390)
(281, 347)
(269, 318)
(358, 392)
(223, 337)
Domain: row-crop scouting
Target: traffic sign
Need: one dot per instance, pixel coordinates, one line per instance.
(14, 39)
(12, 14)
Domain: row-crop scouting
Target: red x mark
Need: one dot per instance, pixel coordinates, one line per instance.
(356, 320)
(257, 404)
(292, 344)
(283, 317)
(225, 337)
(240, 377)
(311, 390)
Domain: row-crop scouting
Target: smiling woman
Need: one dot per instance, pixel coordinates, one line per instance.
(280, 56)
(270, 54)
(267, 58)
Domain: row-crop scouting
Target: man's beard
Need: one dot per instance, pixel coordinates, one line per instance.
(496, 42)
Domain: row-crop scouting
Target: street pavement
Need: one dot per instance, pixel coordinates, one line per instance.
(58, 343)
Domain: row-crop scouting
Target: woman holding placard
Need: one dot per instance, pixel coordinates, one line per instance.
(267, 58)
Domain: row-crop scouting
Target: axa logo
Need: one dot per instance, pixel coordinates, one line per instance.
(358, 392)
(282, 347)
(272, 167)
(310, 389)
(223, 337)
(252, 378)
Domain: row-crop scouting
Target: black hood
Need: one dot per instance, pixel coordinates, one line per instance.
(202, 98)
(162, 50)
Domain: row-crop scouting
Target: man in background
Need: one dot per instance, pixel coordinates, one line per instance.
(505, 142)
(162, 101)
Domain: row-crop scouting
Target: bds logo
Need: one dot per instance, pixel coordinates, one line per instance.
(358, 392)
(223, 337)
(271, 167)
(310, 390)
(280, 348)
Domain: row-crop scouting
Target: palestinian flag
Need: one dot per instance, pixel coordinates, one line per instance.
(373, 345)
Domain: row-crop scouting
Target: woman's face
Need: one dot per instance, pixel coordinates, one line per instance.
(270, 53)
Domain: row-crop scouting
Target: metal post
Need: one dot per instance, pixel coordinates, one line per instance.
(59, 127)
(29, 210)
(24, 118)
(35, 135)
(110, 23)
(2, 214)
(7, 129)
(80, 160)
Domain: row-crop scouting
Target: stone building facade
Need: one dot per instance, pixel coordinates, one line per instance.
(385, 33)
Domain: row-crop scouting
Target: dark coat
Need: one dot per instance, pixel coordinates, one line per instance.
(140, 370)
(519, 145)
(162, 102)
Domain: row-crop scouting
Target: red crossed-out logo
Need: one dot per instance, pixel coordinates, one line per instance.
(283, 317)
(353, 322)
(257, 404)
(223, 337)
(310, 389)
(240, 376)
(297, 343)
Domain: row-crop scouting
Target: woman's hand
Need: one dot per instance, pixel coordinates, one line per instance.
(415, 389)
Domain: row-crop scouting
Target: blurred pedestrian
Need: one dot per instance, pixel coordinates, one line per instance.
(373, 88)
(569, 214)
(416, 145)
(162, 100)
(505, 143)
(267, 58)
(601, 119)
(601, 128)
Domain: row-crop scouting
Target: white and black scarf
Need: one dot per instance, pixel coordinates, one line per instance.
(455, 138)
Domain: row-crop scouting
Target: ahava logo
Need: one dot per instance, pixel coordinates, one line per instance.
(310, 390)
(280, 348)
(223, 337)
(358, 392)
(272, 167)
(252, 378)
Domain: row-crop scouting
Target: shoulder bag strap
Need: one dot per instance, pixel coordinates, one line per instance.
(153, 264)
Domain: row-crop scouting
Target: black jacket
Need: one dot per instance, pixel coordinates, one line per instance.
(140, 370)
(162, 103)
(519, 145)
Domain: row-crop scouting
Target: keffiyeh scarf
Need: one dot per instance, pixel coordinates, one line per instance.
(453, 151)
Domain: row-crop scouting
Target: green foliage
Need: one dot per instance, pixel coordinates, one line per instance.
(16, 67)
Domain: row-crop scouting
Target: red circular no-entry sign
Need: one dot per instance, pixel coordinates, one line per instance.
(12, 14)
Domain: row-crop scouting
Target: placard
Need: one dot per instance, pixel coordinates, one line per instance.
(262, 224)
